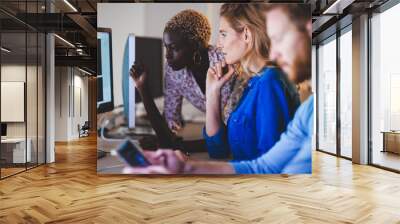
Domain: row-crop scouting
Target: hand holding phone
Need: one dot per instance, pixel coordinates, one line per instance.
(172, 162)
(132, 155)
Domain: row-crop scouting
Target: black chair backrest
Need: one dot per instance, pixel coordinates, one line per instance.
(86, 125)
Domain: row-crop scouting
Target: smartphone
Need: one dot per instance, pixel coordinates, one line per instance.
(131, 154)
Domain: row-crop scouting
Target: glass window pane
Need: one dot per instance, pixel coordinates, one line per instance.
(31, 98)
(385, 114)
(23, 85)
(327, 96)
(13, 85)
(346, 94)
(41, 98)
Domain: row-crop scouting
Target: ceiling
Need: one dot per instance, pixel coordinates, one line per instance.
(332, 15)
(75, 21)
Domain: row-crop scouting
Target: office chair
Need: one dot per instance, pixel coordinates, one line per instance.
(84, 130)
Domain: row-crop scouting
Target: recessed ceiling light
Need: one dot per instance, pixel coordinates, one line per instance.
(5, 50)
(338, 6)
(70, 5)
(84, 71)
(64, 40)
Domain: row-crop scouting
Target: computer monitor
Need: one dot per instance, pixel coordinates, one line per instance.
(105, 96)
(3, 130)
(148, 51)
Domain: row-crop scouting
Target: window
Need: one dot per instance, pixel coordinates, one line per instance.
(327, 96)
(385, 88)
(22, 75)
(346, 92)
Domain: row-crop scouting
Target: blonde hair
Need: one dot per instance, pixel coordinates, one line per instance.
(247, 15)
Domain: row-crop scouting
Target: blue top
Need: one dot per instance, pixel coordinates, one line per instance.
(266, 107)
(292, 154)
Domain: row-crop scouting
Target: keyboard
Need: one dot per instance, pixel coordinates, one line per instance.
(123, 132)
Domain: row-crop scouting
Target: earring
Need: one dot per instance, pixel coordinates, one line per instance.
(196, 58)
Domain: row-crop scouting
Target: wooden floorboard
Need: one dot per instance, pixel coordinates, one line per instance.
(70, 191)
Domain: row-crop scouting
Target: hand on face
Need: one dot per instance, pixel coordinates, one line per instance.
(164, 161)
(139, 75)
(216, 77)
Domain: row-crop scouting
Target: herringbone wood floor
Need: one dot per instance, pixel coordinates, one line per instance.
(70, 191)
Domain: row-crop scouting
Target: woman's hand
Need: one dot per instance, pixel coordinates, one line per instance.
(216, 77)
(215, 80)
(139, 75)
(164, 161)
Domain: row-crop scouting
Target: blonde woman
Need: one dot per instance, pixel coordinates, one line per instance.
(267, 100)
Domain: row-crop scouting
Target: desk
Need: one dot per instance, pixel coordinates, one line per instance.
(13, 150)
(112, 165)
(391, 141)
(115, 122)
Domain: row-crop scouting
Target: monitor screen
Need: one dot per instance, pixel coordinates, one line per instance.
(105, 99)
(147, 51)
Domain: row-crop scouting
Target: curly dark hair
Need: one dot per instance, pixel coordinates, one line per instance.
(192, 25)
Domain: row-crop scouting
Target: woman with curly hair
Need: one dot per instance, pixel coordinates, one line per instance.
(188, 55)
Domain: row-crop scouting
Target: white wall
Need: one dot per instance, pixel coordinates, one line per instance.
(79, 117)
(143, 20)
(33, 127)
(68, 83)
(154, 25)
(61, 83)
(82, 82)
(16, 73)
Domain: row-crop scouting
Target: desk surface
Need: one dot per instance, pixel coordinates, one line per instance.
(13, 140)
(112, 165)
(391, 132)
